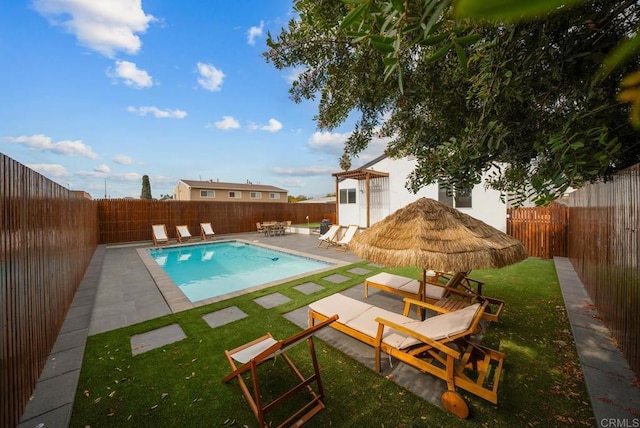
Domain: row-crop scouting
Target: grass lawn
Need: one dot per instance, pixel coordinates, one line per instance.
(180, 385)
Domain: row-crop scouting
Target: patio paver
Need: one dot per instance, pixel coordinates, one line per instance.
(359, 271)
(156, 338)
(224, 316)
(272, 300)
(308, 288)
(336, 278)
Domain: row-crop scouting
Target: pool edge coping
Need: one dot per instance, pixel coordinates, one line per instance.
(178, 301)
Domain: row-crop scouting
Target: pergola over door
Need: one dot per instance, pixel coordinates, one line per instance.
(358, 174)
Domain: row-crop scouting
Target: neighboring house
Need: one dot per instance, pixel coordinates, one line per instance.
(368, 194)
(323, 200)
(193, 190)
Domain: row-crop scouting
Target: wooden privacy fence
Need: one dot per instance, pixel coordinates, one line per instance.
(126, 220)
(604, 247)
(47, 238)
(542, 230)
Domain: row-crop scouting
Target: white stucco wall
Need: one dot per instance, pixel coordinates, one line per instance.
(486, 204)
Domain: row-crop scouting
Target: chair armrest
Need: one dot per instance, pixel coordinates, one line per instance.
(408, 301)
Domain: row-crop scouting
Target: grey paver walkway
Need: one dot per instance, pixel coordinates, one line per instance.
(118, 291)
(157, 338)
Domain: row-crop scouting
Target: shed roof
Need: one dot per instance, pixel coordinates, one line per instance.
(220, 185)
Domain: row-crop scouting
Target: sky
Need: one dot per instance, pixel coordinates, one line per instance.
(96, 94)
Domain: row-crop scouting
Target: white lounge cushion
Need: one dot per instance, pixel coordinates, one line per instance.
(434, 291)
(443, 325)
(366, 323)
(390, 280)
(346, 307)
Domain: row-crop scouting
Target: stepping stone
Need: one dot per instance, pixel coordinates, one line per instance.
(272, 300)
(336, 278)
(375, 265)
(308, 288)
(359, 271)
(156, 338)
(224, 316)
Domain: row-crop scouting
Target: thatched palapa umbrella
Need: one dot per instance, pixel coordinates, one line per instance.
(430, 235)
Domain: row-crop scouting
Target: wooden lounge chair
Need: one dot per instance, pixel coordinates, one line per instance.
(343, 243)
(206, 231)
(183, 233)
(250, 355)
(422, 344)
(329, 237)
(159, 234)
(453, 294)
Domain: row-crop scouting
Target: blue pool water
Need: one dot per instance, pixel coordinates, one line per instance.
(217, 268)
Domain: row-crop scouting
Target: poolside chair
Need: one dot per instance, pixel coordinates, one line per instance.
(159, 234)
(452, 295)
(424, 345)
(329, 236)
(250, 355)
(259, 227)
(343, 243)
(183, 233)
(206, 231)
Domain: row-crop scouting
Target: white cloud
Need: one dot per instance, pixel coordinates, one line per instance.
(227, 122)
(293, 74)
(104, 26)
(126, 176)
(155, 111)
(103, 169)
(327, 142)
(123, 160)
(43, 143)
(254, 32)
(210, 77)
(305, 171)
(131, 75)
(49, 170)
(273, 126)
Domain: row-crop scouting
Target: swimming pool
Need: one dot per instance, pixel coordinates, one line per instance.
(209, 270)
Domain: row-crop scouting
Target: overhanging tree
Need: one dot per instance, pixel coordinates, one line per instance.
(464, 97)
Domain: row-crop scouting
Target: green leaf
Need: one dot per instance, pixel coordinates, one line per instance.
(357, 14)
(390, 61)
(509, 10)
(440, 52)
(462, 57)
(469, 39)
(620, 54)
(429, 41)
(398, 5)
(383, 44)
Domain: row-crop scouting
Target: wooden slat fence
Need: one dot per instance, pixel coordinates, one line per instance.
(604, 247)
(127, 220)
(542, 230)
(47, 238)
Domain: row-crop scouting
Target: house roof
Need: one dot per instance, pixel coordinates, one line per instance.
(363, 172)
(220, 185)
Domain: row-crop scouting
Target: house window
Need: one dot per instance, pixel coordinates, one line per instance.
(274, 195)
(348, 196)
(235, 195)
(255, 195)
(207, 193)
(457, 198)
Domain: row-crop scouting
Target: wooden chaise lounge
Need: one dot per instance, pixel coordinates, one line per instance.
(422, 344)
(455, 294)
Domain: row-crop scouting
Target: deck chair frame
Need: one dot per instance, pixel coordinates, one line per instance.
(345, 240)
(206, 231)
(155, 228)
(329, 237)
(446, 359)
(278, 348)
(183, 237)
